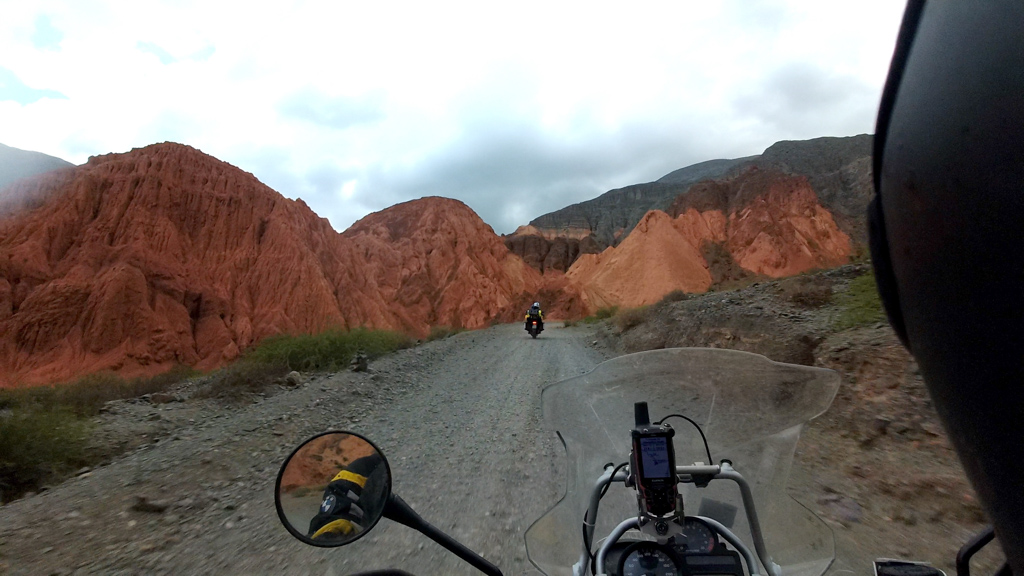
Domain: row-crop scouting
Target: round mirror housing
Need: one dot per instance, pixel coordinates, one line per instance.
(332, 489)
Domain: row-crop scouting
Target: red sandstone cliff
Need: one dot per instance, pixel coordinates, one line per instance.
(767, 223)
(436, 261)
(776, 225)
(163, 255)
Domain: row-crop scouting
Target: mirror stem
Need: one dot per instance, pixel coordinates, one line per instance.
(396, 509)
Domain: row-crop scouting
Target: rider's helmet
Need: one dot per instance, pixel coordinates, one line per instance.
(536, 304)
(947, 233)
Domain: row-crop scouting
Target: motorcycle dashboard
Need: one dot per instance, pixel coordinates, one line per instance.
(695, 552)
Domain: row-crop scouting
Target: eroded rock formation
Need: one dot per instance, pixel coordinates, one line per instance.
(838, 169)
(766, 222)
(436, 262)
(549, 251)
(164, 255)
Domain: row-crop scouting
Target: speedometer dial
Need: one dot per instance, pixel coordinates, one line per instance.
(697, 538)
(647, 559)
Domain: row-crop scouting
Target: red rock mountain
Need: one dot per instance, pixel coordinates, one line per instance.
(164, 255)
(766, 222)
(442, 265)
(838, 170)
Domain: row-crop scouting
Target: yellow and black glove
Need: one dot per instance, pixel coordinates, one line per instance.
(340, 511)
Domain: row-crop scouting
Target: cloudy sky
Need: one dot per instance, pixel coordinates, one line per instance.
(516, 109)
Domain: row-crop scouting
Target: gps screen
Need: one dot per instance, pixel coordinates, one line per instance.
(655, 457)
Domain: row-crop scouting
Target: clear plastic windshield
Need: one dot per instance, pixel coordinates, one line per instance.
(751, 410)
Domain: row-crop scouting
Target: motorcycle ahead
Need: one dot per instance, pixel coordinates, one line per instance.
(684, 452)
(533, 327)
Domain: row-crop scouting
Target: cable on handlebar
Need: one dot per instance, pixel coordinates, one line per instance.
(614, 472)
(697, 426)
(593, 559)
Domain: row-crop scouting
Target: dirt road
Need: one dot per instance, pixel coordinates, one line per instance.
(459, 420)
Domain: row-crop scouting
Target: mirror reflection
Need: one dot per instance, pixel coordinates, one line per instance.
(332, 490)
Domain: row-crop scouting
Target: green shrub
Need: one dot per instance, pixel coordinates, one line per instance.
(330, 350)
(39, 445)
(606, 312)
(569, 323)
(860, 305)
(87, 394)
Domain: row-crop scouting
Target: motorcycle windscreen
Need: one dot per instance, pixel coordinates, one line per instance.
(751, 410)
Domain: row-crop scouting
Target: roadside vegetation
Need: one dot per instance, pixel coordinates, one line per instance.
(626, 318)
(442, 332)
(860, 305)
(601, 314)
(275, 357)
(45, 430)
(630, 317)
(807, 290)
(331, 350)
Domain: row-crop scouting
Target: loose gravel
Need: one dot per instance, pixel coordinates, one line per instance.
(459, 420)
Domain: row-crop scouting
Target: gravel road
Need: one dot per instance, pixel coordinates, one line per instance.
(459, 420)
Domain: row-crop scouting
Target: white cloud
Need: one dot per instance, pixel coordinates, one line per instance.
(516, 109)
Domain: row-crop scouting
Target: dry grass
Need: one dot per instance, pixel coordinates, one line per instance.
(674, 296)
(630, 318)
(236, 381)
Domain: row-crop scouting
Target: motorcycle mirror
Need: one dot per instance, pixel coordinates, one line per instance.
(332, 489)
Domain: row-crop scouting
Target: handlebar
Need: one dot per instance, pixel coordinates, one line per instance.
(698, 475)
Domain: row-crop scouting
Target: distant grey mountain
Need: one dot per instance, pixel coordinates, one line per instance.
(16, 164)
(613, 214)
(839, 170)
(701, 171)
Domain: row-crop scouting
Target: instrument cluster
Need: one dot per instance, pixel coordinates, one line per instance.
(697, 551)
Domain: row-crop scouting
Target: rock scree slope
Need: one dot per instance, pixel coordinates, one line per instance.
(164, 255)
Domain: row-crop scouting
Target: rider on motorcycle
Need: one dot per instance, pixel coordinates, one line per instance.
(347, 500)
(535, 313)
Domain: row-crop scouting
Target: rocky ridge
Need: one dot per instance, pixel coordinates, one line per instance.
(838, 171)
(611, 216)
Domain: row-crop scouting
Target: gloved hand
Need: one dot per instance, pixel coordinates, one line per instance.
(340, 513)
